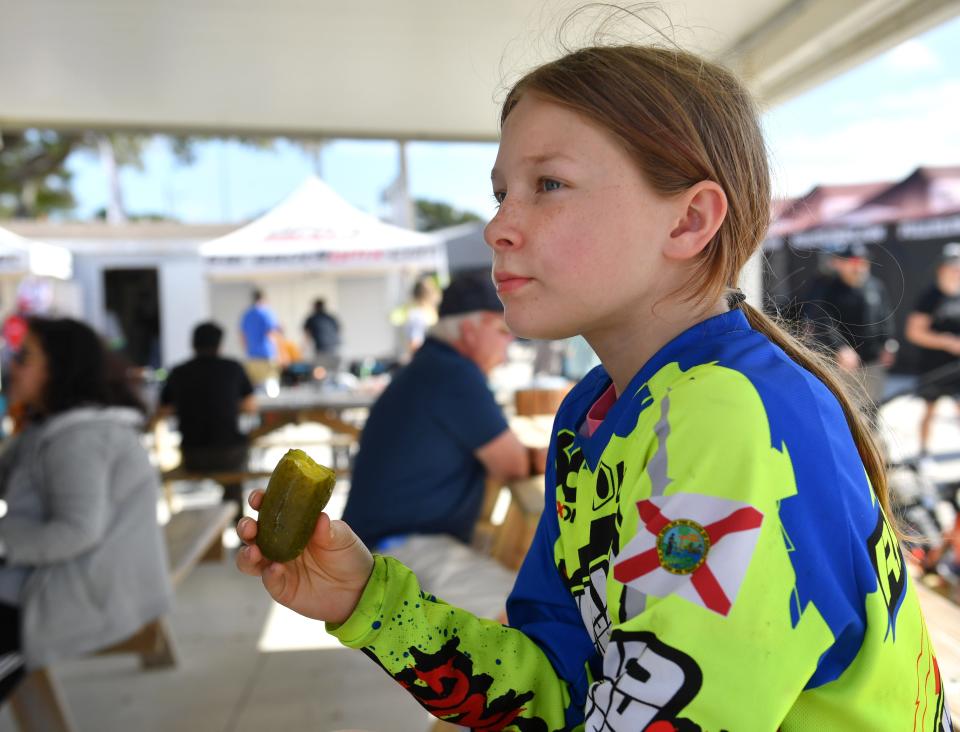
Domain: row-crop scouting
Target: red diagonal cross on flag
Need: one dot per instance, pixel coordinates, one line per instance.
(715, 571)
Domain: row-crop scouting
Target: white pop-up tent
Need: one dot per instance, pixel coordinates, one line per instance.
(21, 257)
(314, 229)
(314, 245)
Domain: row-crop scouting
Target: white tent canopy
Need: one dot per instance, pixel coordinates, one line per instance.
(315, 229)
(19, 256)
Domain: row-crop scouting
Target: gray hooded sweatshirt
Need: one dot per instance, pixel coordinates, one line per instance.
(86, 562)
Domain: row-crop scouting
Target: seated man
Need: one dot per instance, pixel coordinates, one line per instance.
(207, 393)
(430, 441)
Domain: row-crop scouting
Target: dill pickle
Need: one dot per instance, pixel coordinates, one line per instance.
(298, 490)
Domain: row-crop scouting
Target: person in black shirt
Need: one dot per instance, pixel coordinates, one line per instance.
(324, 332)
(934, 326)
(207, 394)
(849, 313)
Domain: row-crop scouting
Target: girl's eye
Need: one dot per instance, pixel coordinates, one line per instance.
(498, 196)
(550, 185)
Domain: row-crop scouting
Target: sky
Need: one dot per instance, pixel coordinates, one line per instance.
(876, 122)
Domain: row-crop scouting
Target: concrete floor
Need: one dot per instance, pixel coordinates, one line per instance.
(245, 665)
(248, 665)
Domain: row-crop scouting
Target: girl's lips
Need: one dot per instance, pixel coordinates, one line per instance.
(511, 284)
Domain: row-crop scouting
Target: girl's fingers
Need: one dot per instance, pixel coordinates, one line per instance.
(250, 561)
(255, 499)
(247, 530)
(321, 532)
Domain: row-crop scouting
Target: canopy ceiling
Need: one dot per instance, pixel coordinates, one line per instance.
(414, 69)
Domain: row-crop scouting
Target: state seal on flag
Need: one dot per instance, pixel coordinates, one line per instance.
(682, 546)
(692, 545)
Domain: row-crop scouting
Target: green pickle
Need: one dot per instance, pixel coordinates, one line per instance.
(298, 490)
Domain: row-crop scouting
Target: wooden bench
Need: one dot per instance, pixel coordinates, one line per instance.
(193, 535)
(513, 537)
(223, 477)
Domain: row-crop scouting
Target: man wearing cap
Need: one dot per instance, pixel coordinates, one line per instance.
(428, 445)
(934, 326)
(851, 315)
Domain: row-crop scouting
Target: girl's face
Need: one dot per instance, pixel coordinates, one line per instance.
(578, 238)
(29, 373)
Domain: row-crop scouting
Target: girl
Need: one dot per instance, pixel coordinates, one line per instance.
(716, 552)
(82, 561)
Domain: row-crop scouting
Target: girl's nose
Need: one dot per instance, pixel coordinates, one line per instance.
(502, 232)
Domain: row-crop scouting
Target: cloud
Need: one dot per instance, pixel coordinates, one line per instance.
(898, 134)
(911, 56)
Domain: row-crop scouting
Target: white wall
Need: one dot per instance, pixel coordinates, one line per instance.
(290, 298)
(361, 302)
(67, 299)
(183, 294)
(8, 295)
(184, 302)
(364, 305)
(227, 301)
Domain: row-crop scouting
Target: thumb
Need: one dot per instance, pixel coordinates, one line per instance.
(331, 535)
(340, 535)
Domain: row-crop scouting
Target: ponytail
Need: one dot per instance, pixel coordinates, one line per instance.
(823, 368)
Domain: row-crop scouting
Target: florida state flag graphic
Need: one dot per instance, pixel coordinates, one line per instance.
(694, 546)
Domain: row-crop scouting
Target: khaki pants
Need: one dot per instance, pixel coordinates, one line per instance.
(261, 369)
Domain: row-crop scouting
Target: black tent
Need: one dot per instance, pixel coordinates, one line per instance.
(904, 226)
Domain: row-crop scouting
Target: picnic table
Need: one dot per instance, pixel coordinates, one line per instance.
(190, 536)
(311, 403)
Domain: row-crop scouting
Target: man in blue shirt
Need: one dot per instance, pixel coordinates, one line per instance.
(260, 329)
(433, 437)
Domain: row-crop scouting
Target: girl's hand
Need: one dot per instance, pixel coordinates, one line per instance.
(325, 582)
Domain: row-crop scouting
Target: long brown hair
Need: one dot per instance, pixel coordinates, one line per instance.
(683, 120)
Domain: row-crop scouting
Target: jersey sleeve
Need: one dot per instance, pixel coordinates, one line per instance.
(469, 671)
(702, 632)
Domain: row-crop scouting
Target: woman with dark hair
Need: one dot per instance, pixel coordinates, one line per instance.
(82, 561)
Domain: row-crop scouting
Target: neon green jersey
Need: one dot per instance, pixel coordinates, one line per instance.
(716, 560)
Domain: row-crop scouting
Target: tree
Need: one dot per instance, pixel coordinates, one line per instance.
(433, 215)
(34, 180)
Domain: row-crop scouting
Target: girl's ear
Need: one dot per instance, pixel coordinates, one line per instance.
(703, 208)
